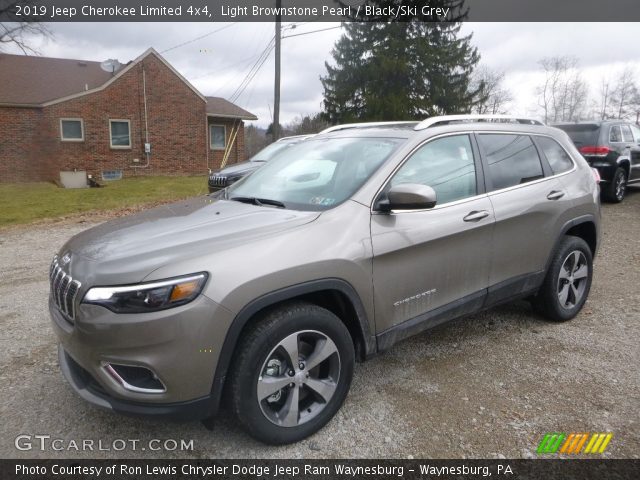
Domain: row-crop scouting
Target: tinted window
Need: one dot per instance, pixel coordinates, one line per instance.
(626, 133)
(512, 159)
(559, 160)
(446, 165)
(615, 135)
(582, 134)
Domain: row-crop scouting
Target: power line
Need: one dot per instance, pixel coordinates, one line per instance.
(255, 68)
(199, 38)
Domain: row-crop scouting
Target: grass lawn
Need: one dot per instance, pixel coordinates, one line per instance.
(29, 202)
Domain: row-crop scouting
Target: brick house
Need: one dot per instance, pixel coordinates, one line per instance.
(143, 118)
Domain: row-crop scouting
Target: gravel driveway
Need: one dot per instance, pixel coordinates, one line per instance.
(488, 386)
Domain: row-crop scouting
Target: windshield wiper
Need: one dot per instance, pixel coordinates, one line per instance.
(259, 201)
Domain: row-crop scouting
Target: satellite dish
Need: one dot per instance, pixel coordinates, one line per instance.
(110, 65)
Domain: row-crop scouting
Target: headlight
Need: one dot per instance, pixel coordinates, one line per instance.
(148, 297)
(232, 180)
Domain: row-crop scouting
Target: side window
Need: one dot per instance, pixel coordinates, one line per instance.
(217, 137)
(71, 130)
(512, 159)
(636, 133)
(120, 133)
(446, 165)
(626, 133)
(614, 134)
(558, 158)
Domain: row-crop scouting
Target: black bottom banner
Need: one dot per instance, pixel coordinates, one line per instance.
(319, 469)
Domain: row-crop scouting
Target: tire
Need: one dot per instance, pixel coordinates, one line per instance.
(263, 363)
(566, 286)
(615, 191)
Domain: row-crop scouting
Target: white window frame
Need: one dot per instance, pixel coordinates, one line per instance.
(63, 139)
(119, 147)
(224, 128)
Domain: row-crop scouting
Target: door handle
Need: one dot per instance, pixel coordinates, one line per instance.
(476, 215)
(555, 195)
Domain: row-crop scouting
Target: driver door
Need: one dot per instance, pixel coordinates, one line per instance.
(431, 265)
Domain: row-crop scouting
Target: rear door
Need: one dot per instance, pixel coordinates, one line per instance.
(528, 202)
(634, 174)
(432, 263)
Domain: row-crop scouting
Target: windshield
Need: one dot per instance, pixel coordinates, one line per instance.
(315, 174)
(268, 152)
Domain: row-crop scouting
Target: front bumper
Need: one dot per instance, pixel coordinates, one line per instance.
(90, 390)
(180, 345)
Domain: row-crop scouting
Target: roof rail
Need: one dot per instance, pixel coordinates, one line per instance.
(446, 119)
(346, 126)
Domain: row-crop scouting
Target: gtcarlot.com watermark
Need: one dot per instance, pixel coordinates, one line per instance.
(47, 443)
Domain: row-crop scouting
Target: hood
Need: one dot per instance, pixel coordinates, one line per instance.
(238, 168)
(128, 249)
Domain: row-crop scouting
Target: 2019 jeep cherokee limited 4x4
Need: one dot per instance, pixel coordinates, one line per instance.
(335, 250)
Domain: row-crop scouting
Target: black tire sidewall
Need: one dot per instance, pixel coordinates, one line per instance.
(281, 324)
(550, 295)
(610, 191)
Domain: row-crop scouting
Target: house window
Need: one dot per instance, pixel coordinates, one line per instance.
(120, 133)
(71, 130)
(218, 137)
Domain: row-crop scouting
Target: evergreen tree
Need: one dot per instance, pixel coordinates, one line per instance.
(399, 71)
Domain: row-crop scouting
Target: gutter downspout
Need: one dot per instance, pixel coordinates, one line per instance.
(146, 121)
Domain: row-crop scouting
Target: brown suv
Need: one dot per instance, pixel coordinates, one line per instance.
(332, 252)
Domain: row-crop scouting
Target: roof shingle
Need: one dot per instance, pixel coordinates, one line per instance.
(32, 81)
(29, 80)
(219, 107)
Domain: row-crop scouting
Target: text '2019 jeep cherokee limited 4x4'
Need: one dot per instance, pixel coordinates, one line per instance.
(328, 254)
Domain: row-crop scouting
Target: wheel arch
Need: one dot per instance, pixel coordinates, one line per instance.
(584, 227)
(336, 295)
(624, 163)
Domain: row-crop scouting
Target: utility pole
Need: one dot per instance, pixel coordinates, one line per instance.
(276, 93)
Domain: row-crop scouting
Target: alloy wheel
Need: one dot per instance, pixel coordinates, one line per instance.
(621, 186)
(298, 378)
(572, 279)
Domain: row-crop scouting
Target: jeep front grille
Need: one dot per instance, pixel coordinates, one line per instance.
(64, 289)
(218, 181)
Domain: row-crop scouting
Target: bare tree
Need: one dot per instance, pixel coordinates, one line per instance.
(19, 31)
(304, 125)
(564, 93)
(605, 98)
(492, 97)
(625, 97)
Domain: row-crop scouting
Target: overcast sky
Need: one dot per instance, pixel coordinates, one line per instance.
(217, 63)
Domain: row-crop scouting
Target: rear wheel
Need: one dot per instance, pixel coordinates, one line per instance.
(292, 374)
(568, 281)
(615, 191)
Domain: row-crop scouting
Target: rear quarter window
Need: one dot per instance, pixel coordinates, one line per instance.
(559, 160)
(513, 159)
(614, 134)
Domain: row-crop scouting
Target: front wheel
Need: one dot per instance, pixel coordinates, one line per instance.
(292, 373)
(568, 281)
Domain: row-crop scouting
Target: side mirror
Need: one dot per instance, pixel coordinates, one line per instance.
(408, 196)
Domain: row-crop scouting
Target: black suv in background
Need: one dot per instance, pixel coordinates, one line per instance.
(613, 148)
(231, 174)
